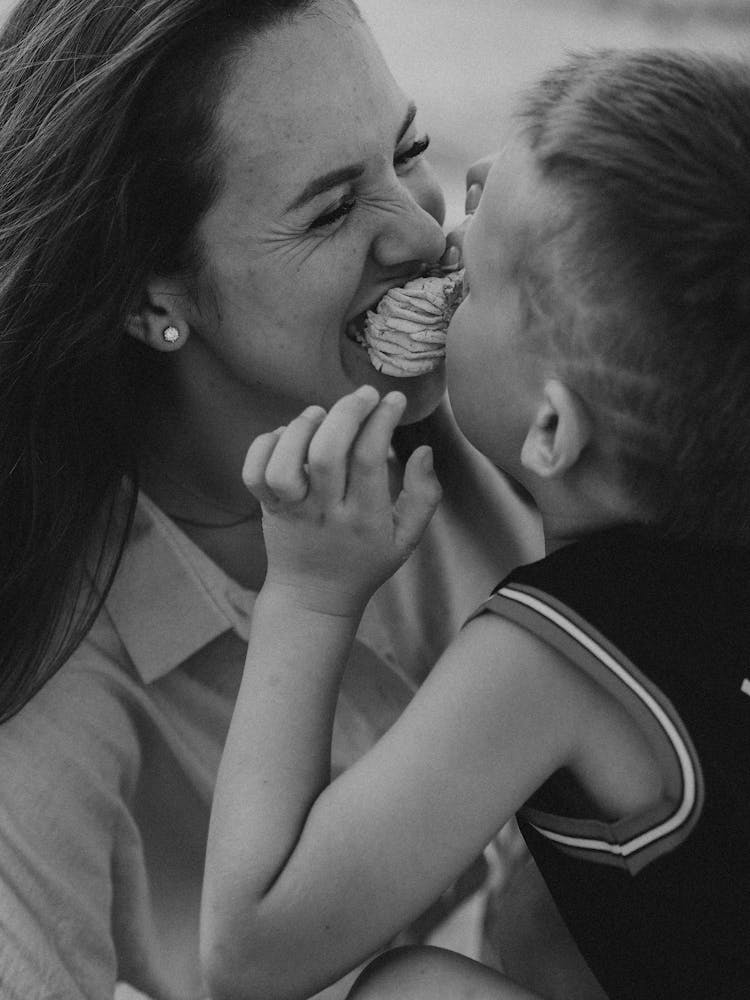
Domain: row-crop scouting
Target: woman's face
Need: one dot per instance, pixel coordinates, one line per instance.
(326, 203)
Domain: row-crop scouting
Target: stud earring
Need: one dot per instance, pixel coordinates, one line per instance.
(171, 334)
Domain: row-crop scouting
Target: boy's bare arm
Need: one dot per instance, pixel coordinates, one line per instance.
(312, 878)
(305, 879)
(433, 974)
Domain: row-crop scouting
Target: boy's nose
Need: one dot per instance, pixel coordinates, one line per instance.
(410, 233)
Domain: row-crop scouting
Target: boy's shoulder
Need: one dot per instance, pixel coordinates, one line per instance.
(661, 623)
(631, 571)
(653, 597)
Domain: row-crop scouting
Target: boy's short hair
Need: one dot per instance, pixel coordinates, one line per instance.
(640, 287)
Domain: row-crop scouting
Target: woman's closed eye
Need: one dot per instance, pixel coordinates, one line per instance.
(413, 152)
(402, 161)
(328, 218)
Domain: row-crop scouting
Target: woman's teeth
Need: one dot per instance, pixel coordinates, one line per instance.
(355, 329)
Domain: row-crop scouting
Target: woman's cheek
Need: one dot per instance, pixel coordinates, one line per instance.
(323, 283)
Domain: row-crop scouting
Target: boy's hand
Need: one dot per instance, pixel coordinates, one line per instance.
(476, 178)
(333, 533)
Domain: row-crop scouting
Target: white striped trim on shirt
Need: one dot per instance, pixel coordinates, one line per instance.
(686, 806)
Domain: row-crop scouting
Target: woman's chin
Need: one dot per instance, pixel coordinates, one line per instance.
(423, 392)
(423, 395)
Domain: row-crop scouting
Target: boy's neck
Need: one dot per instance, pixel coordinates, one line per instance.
(570, 512)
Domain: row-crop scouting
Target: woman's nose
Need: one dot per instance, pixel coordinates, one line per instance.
(409, 233)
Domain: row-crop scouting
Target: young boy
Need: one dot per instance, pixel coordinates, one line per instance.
(602, 358)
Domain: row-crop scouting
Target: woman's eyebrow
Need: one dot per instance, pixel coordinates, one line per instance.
(344, 175)
(325, 182)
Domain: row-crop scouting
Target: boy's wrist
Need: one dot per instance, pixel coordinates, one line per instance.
(311, 598)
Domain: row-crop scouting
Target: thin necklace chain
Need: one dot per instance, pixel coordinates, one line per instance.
(191, 522)
(197, 495)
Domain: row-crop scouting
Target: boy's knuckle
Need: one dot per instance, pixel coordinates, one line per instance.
(365, 458)
(253, 479)
(277, 481)
(347, 405)
(320, 458)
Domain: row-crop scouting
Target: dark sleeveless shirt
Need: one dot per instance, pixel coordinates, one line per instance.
(659, 903)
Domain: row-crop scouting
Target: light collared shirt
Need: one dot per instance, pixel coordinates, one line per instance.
(106, 775)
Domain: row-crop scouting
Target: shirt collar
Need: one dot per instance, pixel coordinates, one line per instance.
(163, 608)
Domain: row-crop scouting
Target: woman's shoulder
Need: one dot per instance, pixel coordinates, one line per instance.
(82, 708)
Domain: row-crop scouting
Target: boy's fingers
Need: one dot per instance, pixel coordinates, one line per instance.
(368, 472)
(453, 256)
(453, 253)
(285, 472)
(476, 175)
(418, 499)
(254, 466)
(329, 451)
(473, 196)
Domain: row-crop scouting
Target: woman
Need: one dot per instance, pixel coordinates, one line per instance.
(200, 199)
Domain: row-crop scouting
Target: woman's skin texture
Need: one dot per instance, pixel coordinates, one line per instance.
(326, 203)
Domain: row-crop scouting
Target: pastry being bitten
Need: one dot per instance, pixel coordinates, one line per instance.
(406, 334)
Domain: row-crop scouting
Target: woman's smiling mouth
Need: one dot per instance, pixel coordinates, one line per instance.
(354, 329)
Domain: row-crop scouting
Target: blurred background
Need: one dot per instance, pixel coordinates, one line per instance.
(462, 60)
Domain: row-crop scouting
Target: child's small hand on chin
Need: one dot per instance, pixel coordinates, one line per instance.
(333, 533)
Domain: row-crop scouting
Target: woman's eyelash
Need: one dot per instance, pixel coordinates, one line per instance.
(416, 149)
(338, 213)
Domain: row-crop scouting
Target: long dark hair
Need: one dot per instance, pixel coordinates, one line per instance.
(107, 163)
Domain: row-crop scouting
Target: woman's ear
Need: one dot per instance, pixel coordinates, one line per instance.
(560, 431)
(161, 321)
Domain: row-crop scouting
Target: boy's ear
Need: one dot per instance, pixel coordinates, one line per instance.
(560, 431)
(161, 320)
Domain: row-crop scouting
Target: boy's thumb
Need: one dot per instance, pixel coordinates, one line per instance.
(419, 497)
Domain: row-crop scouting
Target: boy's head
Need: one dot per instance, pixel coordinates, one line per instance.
(631, 278)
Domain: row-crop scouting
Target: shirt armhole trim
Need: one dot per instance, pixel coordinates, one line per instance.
(677, 824)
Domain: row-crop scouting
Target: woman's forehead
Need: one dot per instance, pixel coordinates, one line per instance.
(308, 89)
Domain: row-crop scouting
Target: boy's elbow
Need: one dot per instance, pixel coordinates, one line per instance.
(227, 956)
(231, 971)
(223, 985)
(256, 952)
(223, 981)
(227, 975)
(217, 969)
